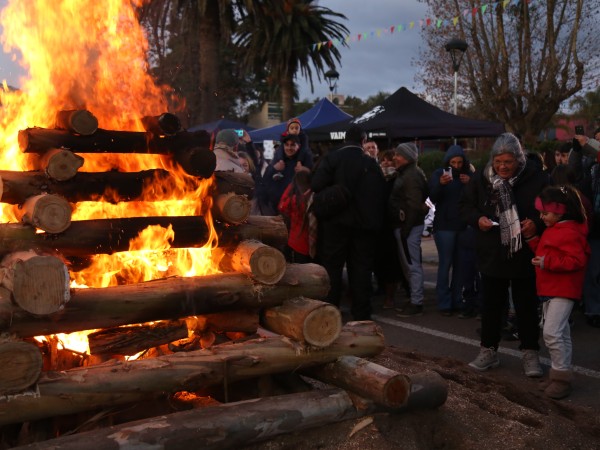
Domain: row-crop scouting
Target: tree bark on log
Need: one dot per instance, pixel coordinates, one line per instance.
(171, 298)
(231, 425)
(78, 121)
(48, 212)
(16, 187)
(21, 364)
(85, 389)
(89, 237)
(40, 140)
(39, 284)
(305, 320)
(257, 260)
(231, 208)
(245, 320)
(384, 386)
(132, 340)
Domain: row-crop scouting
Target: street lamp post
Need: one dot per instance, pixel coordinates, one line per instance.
(457, 48)
(332, 76)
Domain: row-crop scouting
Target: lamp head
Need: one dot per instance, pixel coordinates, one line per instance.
(457, 48)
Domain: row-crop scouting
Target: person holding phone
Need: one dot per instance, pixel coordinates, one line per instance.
(446, 185)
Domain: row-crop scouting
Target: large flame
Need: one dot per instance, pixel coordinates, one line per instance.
(89, 54)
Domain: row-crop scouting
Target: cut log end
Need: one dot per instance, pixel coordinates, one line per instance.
(232, 208)
(62, 165)
(322, 326)
(79, 121)
(50, 213)
(267, 265)
(22, 365)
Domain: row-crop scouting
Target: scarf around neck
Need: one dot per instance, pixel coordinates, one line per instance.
(508, 217)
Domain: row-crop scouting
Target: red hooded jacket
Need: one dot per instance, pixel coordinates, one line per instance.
(298, 236)
(565, 252)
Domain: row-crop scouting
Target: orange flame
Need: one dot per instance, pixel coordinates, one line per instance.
(89, 54)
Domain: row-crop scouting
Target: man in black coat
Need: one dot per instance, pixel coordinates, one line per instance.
(349, 237)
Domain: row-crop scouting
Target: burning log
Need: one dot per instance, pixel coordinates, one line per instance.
(47, 212)
(78, 121)
(231, 425)
(259, 261)
(166, 124)
(105, 385)
(239, 183)
(21, 364)
(40, 140)
(231, 208)
(384, 386)
(88, 237)
(245, 320)
(132, 340)
(305, 320)
(171, 298)
(39, 284)
(190, 150)
(61, 164)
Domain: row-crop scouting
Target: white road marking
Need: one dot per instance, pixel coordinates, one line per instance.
(473, 342)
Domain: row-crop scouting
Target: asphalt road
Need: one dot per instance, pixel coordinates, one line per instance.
(436, 335)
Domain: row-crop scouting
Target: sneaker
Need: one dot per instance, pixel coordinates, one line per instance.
(403, 306)
(411, 310)
(487, 359)
(531, 364)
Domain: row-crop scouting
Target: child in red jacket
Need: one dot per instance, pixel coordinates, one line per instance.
(561, 256)
(293, 205)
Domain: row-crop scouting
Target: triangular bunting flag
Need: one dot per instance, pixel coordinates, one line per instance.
(455, 20)
(439, 23)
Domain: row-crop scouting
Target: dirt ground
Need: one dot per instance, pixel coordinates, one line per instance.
(482, 411)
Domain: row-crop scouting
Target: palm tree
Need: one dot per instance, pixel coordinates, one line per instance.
(279, 36)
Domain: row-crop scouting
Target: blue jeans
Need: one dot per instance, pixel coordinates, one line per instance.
(412, 261)
(448, 290)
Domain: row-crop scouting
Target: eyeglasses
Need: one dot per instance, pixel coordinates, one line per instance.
(504, 162)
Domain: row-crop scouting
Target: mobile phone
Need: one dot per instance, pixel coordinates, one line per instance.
(448, 171)
(240, 133)
(579, 130)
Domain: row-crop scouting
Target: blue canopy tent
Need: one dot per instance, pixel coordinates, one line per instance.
(221, 124)
(322, 113)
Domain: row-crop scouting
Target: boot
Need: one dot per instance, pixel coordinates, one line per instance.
(560, 386)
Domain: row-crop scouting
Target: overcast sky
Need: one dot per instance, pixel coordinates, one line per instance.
(378, 63)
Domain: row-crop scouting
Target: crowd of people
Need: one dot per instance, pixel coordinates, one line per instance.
(514, 236)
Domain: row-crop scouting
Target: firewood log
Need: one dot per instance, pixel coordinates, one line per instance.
(196, 161)
(134, 339)
(61, 164)
(166, 124)
(172, 298)
(21, 364)
(47, 212)
(16, 187)
(245, 320)
(39, 284)
(231, 208)
(384, 386)
(231, 425)
(89, 237)
(78, 121)
(305, 320)
(104, 385)
(259, 261)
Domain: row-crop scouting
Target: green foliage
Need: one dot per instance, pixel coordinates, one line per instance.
(429, 161)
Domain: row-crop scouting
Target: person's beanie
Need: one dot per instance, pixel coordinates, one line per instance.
(408, 150)
(293, 120)
(227, 136)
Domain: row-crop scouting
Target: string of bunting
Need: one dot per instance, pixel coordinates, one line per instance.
(422, 23)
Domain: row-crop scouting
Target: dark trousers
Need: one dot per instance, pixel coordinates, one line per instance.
(355, 248)
(495, 298)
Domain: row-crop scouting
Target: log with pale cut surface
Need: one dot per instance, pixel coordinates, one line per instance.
(60, 164)
(231, 208)
(106, 236)
(305, 320)
(104, 385)
(39, 284)
(171, 298)
(78, 121)
(258, 260)
(48, 212)
(21, 364)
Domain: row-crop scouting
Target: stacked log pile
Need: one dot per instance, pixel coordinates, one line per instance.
(199, 335)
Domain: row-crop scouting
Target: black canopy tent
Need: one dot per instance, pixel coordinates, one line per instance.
(404, 116)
